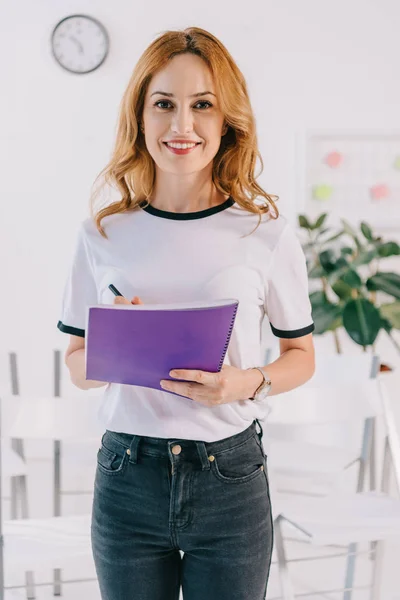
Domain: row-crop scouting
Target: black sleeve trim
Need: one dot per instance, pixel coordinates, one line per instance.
(292, 333)
(71, 330)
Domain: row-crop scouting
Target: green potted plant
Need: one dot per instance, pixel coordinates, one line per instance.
(351, 290)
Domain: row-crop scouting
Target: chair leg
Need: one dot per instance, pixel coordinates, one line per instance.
(14, 498)
(30, 585)
(57, 582)
(57, 467)
(349, 579)
(24, 497)
(379, 545)
(377, 570)
(57, 508)
(366, 458)
(1, 555)
(284, 578)
(372, 473)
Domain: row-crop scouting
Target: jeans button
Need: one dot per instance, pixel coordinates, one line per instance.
(176, 449)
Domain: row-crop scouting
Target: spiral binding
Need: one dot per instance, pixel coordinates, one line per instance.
(228, 339)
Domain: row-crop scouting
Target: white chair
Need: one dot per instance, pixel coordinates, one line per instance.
(33, 543)
(19, 494)
(342, 517)
(313, 447)
(13, 466)
(52, 418)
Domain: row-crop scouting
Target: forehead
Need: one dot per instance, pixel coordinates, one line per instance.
(184, 74)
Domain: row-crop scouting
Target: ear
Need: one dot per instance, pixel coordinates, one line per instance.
(225, 129)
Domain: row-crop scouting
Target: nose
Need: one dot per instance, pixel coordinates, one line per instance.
(182, 121)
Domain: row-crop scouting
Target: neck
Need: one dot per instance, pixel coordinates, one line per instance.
(181, 196)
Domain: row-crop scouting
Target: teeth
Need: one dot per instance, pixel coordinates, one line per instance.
(181, 146)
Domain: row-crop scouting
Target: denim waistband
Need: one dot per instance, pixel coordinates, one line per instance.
(161, 447)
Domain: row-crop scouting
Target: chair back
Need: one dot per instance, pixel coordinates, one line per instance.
(56, 418)
(331, 408)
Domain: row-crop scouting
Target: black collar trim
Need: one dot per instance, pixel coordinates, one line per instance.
(200, 214)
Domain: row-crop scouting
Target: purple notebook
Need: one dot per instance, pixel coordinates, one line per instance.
(139, 344)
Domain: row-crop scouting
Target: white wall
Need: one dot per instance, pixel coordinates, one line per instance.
(308, 65)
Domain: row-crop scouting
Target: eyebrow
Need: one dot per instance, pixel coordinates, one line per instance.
(192, 96)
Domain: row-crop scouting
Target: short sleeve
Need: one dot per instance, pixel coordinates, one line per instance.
(287, 303)
(80, 289)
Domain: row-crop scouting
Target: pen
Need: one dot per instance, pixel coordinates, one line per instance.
(114, 290)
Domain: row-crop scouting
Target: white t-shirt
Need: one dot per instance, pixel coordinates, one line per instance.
(163, 257)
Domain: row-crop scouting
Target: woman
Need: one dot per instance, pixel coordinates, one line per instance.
(184, 470)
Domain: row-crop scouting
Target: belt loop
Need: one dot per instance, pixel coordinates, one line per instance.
(134, 448)
(202, 451)
(259, 433)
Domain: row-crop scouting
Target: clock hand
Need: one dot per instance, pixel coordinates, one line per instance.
(71, 37)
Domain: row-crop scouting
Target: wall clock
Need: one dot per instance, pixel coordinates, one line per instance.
(79, 43)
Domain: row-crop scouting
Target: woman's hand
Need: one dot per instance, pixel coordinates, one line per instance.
(122, 300)
(211, 389)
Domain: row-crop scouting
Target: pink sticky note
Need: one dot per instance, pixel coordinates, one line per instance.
(379, 191)
(333, 159)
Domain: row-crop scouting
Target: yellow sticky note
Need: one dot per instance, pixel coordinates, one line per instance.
(322, 192)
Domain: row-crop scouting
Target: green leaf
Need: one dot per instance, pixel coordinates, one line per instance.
(316, 272)
(320, 221)
(346, 250)
(385, 282)
(342, 263)
(352, 233)
(367, 232)
(318, 298)
(352, 278)
(304, 222)
(335, 237)
(337, 322)
(341, 267)
(386, 325)
(327, 259)
(365, 257)
(342, 290)
(348, 228)
(388, 249)
(322, 231)
(391, 313)
(362, 321)
(325, 314)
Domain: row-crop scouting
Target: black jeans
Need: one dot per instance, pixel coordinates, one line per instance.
(154, 497)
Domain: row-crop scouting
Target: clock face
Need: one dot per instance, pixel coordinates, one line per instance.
(79, 43)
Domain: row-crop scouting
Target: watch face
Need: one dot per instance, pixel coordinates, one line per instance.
(262, 394)
(79, 43)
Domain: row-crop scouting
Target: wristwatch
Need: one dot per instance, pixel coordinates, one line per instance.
(263, 389)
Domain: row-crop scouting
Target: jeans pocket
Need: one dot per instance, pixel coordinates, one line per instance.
(240, 464)
(111, 461)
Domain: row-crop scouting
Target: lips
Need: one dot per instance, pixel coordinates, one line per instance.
(176, 142)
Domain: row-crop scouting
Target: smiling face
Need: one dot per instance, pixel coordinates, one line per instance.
(181, 104)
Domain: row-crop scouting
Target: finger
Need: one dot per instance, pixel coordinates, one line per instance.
(179, 387)
(136, 300)
(191, 391)
(203, 377)
(120, 300)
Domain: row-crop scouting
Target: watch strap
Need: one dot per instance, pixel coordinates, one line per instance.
(262, 384)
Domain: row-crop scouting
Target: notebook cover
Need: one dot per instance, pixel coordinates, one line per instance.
(140, 347)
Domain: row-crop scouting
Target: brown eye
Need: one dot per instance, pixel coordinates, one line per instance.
(161, 102)
(205, 102)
